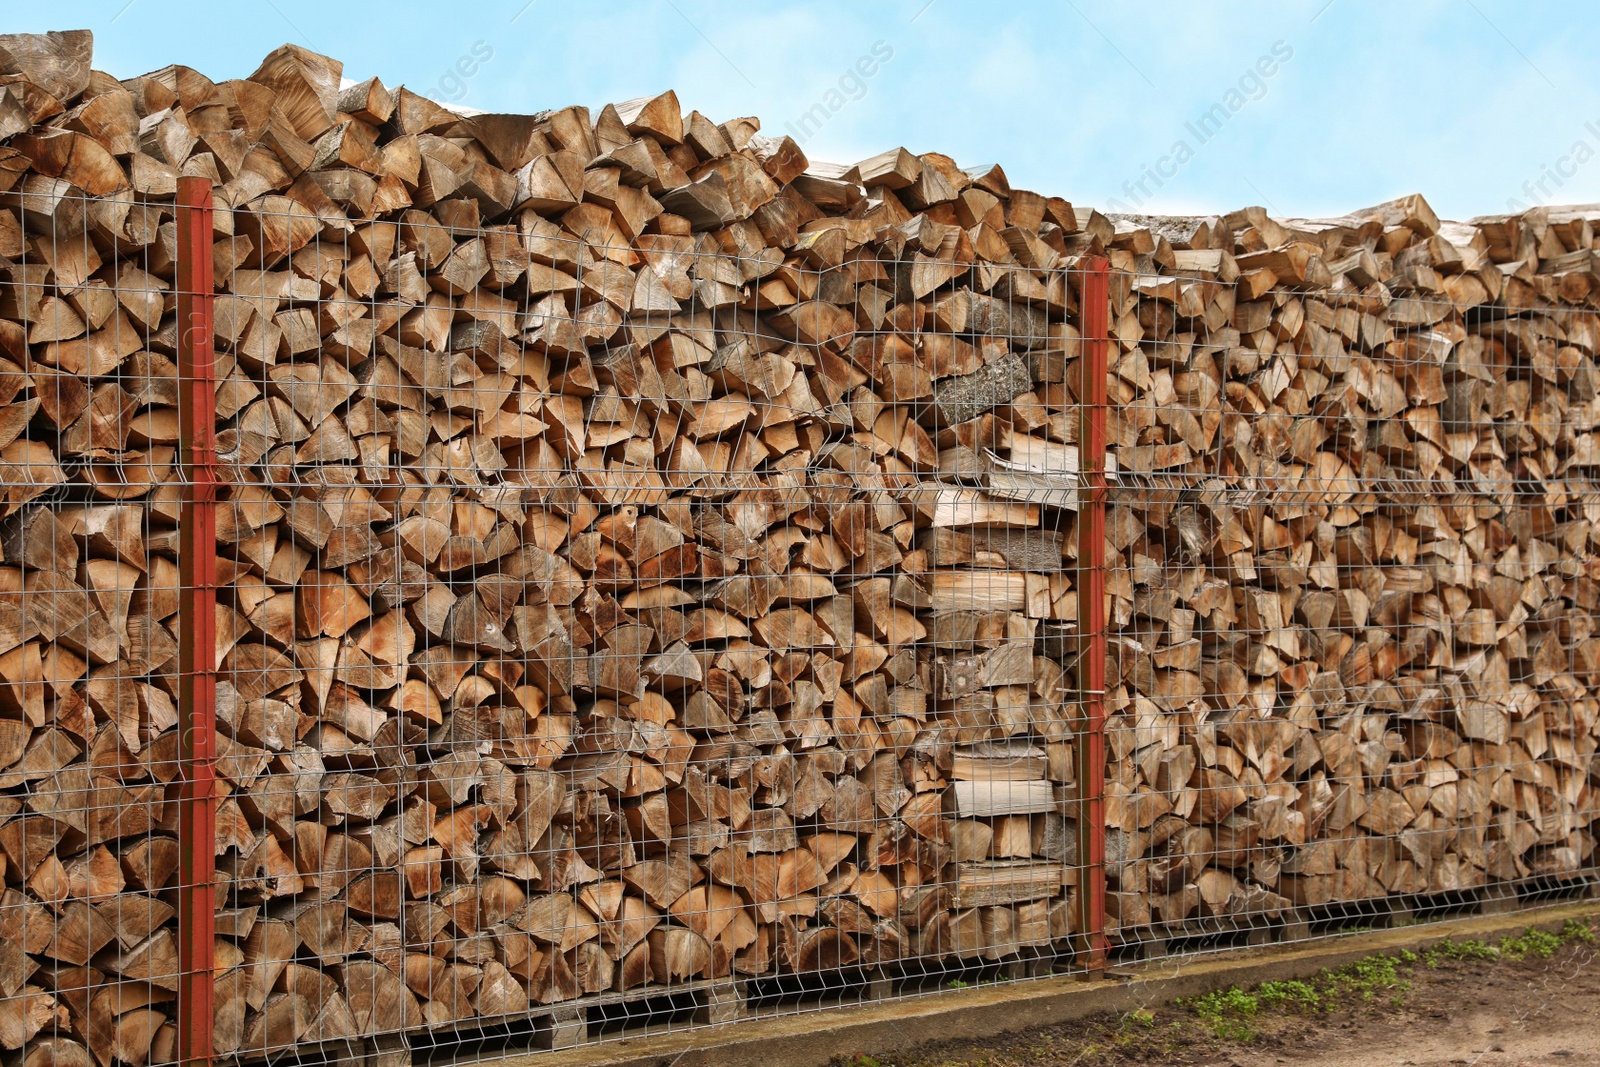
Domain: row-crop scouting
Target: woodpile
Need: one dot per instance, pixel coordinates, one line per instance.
(1352, 581)
(646, 555)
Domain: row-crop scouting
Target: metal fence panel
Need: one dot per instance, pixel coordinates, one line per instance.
(623, 631)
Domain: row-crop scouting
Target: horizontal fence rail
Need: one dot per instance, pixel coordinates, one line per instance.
(596, 635)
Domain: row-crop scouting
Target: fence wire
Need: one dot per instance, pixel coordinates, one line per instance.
(1351, 584)
(648, 630)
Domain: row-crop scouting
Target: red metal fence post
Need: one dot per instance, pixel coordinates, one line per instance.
(1091, 585)
(197, 570)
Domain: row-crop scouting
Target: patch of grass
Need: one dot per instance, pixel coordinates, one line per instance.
(1138, 1018)
(1539, 944)
(1201, 1027)
(1228, 1012)
(962, 983)
(1366, 978)
(1293, 994)
(1472, 949)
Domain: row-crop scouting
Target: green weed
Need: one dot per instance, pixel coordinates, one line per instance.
(1293, 994)
(1536, 943)
(1226, 1012)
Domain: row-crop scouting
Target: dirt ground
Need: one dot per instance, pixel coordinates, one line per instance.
(1485, 1013)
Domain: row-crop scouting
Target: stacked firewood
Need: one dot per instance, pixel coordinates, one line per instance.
(647, 554)
(593, 614)
(1352, 580)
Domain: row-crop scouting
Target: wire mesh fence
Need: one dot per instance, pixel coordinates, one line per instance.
(92, 764)
(607, 607)
(621, 630)
(1351, 593)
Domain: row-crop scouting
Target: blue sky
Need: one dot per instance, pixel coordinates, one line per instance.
(1474, 103)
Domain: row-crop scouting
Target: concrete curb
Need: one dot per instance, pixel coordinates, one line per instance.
(813, 1038)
